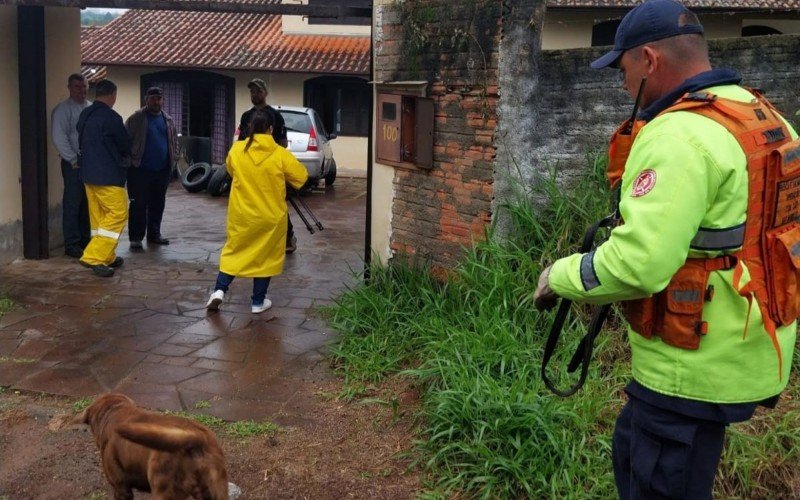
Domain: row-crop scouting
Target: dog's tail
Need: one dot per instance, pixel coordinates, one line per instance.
(160, 437)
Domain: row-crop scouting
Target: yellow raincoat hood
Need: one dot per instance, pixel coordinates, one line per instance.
(261, 148)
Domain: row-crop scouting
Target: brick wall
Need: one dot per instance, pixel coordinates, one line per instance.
(454, 46)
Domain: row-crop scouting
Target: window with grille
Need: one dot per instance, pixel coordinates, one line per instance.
(343, 103)
(221, 128)
(201, 104)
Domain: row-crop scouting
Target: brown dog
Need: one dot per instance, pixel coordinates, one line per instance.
(172, 457)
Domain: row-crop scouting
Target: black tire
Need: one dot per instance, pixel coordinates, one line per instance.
(330, 177)
(309, 185)
(220, 182)
(196, 177)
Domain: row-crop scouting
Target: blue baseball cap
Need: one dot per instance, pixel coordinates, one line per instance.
(647, 22)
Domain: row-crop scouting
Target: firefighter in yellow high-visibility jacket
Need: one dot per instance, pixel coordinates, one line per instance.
(104, 156)
(709, 341)
(257, 214)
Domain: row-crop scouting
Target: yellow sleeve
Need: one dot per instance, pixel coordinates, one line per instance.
(295, 172)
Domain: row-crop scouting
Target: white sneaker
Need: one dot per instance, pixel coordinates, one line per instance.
(215, 300)
(263, 307)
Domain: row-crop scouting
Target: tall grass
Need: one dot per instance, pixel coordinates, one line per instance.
(489, 428)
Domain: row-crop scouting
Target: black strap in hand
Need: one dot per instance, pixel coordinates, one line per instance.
(583, 354)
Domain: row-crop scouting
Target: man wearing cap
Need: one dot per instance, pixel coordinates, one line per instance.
(258, 96)
(683, 201)
(75, 217)
(153, 155)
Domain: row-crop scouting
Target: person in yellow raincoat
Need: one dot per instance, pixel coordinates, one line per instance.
(256, 225)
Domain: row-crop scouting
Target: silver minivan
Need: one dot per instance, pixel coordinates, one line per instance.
(310, 143)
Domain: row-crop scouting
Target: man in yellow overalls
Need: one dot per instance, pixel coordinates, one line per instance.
(683, 199)
(105, 154)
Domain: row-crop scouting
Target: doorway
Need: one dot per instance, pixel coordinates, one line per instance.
(201, 104)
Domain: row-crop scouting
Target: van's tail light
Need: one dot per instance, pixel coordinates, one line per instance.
(312, 141)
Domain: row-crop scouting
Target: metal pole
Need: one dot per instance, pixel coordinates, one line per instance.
(310, 213)
(303, 217)
(368, 218)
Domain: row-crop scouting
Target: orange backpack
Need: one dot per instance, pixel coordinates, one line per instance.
(771, 243)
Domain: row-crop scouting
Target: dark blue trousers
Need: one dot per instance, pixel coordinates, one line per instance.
(660, 454)
(75, 209)
(260, 286)
(147, 192)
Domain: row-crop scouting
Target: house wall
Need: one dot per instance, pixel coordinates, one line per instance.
(565, 29)
(570, 29)
(785, 26)
(10, 193)
(128, 93)
(383, 195)
(62, 56)
(284, 88)
(454, 46)
(298, 25)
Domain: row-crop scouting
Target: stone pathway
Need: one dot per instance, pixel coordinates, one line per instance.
(146, 332)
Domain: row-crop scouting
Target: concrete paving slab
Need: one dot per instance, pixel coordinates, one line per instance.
(146, 332)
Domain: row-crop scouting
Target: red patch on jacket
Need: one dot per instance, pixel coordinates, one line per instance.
(644, 183)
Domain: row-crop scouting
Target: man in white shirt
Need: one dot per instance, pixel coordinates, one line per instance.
(75, 209)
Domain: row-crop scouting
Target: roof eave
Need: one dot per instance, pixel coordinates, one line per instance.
(263, 69)
(329, 11)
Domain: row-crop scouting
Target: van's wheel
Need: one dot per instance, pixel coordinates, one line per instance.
(196, 177)
(220, 182)
(331, 175)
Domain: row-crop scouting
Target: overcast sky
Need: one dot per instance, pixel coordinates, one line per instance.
(103, 9)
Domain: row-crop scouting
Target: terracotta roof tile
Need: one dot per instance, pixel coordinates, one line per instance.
(93, 74)
(776, 5)
(222, 40)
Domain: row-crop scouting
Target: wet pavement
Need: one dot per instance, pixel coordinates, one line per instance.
(145, 332)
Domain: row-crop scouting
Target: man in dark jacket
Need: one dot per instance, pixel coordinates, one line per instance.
(152, 158)
(105, 154)
(258, 96)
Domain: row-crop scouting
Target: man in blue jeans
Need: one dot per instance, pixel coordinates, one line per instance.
(75, 211)
(153, 154)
